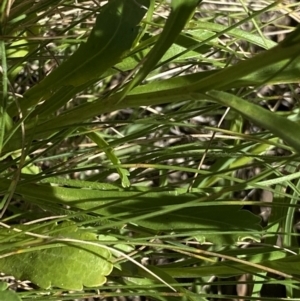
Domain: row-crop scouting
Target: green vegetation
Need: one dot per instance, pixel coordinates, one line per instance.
(143, 144)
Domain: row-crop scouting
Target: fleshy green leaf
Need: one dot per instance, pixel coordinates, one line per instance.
(65, 265)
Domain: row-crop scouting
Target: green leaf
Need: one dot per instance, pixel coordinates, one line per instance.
(9, 296)
(279, 261)
(270, 67)
(235, 32)
(109, 151)
(288, 130)
(3, 286)
(181, 12)
(165, 211)
(6, 294)
(172, 90)
(66, 265)
(113, 34)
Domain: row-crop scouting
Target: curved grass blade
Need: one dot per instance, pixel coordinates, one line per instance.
(181, 11)
(102, 144)
(280, 126)
(113, 34)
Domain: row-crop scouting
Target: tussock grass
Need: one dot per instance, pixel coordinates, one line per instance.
(164, 130)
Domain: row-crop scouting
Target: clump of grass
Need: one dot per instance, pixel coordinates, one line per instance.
(154, 130)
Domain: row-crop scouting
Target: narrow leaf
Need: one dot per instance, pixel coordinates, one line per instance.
(113, 34)
(181, 11)
(103, 145)
(280, 126)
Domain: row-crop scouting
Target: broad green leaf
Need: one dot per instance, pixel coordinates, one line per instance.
(3, 286)
(117, 246)
(65, 265)
(9, 296)
(113, 34)
(80, 183)
(165, 211)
